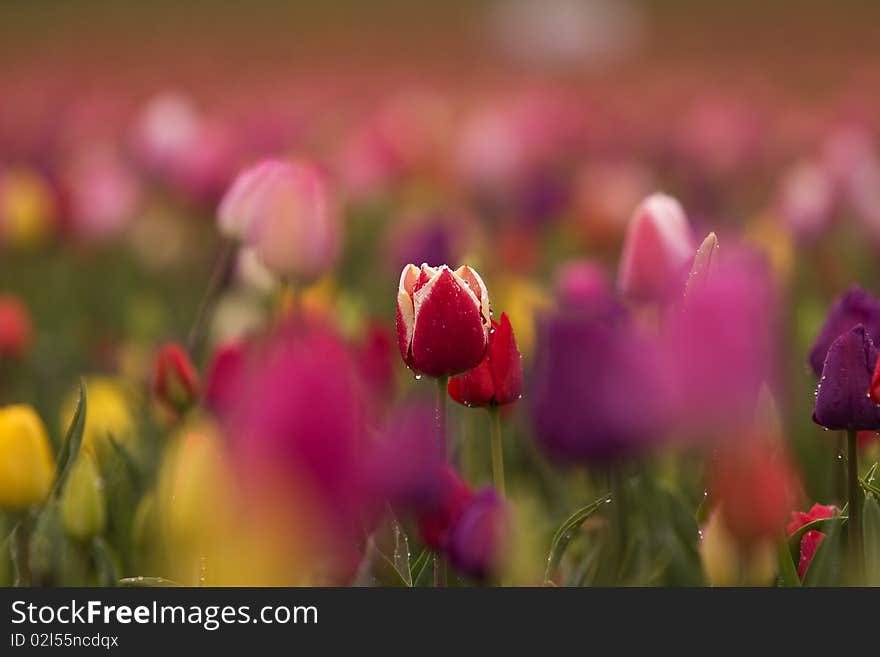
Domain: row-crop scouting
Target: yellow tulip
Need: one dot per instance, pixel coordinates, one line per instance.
(109, 414)
(83, 511)
(26, 462)
(28, 206)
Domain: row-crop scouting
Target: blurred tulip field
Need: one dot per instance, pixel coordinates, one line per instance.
(496, 293)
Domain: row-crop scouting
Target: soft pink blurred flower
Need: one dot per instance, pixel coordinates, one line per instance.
(657, 252)
(103, 194)
(288, 213)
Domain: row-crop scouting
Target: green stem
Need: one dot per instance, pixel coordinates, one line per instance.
(440, 577)
(497, 449)
(215, 286)
(854, 524)
(20, 550)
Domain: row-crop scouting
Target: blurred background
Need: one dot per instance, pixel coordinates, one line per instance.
(513, 135)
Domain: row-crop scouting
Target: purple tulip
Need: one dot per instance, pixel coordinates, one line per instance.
(597, 392)
(478, 540)
(406, 466)
(842, 400)
(855, 306)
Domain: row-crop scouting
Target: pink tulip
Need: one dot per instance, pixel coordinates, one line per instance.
(657, 252)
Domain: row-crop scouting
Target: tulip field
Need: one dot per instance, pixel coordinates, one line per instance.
(586, 294)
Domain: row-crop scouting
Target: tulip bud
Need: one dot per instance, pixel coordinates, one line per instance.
(26, 462)
(811, 540)
(842, 397)
(286, 212)
(478, 540)
(855, 306)
(15, 327)
(83, 512)
(176, 384)
(443, 319)
(109, 414)
(223, 381)
(498, 379)
(703, 263)
(657, 251)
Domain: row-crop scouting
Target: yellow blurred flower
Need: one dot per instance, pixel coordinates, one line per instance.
(767, 233)
(521, 299)
(27, 208)
(26, 462)
(725, 563)
(83, 511)
(109, 413)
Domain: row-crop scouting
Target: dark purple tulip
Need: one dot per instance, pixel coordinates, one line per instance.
(842, 400)
(855, 306)
(597, 392)
(478, 540)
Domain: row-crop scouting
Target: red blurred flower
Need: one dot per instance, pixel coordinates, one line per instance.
(223, 380)
(755, 487)
(498, 379)
(176, 383)
(810, 540)
(15, 327)
(442, 319)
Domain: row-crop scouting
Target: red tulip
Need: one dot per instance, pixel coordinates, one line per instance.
(15, 327)
(498, 379)
(755, 488)
(810, 540)
(224, 378)
(176, 382)
(442, 319)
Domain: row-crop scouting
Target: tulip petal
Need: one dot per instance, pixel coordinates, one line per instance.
(448, 336)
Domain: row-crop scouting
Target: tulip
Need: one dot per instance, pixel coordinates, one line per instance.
(806, 199)
(811, 540)
(726, 562)
(597, 393)
(443, 319)
(15, 327)
(855, 306)
(28, 208)
(497, 380)
(478, 541)
(83, 512)
(285, 210)
(110, 413)
(720, 346)
(657, 251)
(175, 383)
(842, 400)
(582, 283)
(26, 462)
(224, 378)
(436, 520)
(754, 485)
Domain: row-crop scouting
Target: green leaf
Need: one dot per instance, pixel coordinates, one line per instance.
(787, 572)
(826, 568)
(72, 442)
(871, 528)
(566, 530)
(147, 582)
(106, 563)
(419, 565)
(386, 560)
